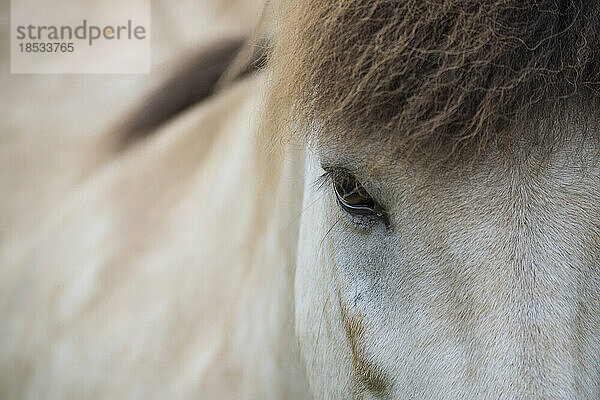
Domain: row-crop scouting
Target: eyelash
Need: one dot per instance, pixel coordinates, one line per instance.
(360, 214)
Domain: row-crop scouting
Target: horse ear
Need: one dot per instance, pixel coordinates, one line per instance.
(194, 81)
(209, 71)
(252, 56)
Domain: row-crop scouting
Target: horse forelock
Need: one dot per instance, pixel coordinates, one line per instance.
(435, 77)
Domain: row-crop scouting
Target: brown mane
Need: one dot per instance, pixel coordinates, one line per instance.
(441, 76)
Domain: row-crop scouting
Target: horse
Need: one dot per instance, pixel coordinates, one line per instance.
(403, 203)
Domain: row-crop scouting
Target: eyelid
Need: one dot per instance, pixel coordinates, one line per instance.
(331, 174)
(357, 209)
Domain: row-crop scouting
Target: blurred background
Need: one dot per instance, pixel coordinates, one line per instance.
(55, 129)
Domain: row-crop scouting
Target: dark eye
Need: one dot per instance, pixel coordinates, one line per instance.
(352, 196)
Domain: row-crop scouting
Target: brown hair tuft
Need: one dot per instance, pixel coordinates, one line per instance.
(435, 76)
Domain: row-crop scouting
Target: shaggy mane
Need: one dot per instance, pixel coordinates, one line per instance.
(438, 76)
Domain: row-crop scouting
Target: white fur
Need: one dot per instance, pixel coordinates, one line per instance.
(195, 266)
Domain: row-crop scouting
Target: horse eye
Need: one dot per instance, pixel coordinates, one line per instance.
(352, 196)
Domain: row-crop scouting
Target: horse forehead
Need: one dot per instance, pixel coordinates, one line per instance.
(570, 138)
(533, 198)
